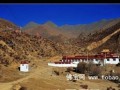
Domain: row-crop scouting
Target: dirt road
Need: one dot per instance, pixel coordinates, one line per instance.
(40, 79)
(34, 74)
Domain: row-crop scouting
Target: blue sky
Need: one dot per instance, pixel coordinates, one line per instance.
(60, 14)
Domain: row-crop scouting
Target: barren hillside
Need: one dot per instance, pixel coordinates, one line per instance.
(7, 25)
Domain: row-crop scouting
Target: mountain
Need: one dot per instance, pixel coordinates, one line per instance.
(84, 37)
(7, 25)
(89, 28)
(17, 46)
(109, 38)
(71, 31)
(49, 23)
(48, 30)
(98, 40)
(30, 25)
(48, 40)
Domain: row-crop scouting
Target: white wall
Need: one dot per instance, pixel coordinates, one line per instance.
(74, 64)
(62, 65)
(111, 61)
(95, 62)
(24, 67)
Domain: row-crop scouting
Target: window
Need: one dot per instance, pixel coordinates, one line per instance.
(108, 60)
(114, 59)
(26, 67)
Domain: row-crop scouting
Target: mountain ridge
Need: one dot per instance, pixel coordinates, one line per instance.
(73, 31)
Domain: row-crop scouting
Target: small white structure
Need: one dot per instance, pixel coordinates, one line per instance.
(24, 66)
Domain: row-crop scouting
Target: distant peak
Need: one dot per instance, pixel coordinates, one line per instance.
(50, 23)
(32, 22)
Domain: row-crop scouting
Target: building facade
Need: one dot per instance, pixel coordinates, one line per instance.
(24, 66)
(102, 58)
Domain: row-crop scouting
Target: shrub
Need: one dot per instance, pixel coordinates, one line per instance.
(118, 85)
(84, 86)
(116, 74)
(56, 72)
(90, 69)
(23, 88)
(95, 70)
(110, 88)
(82, 67)
(118, 64)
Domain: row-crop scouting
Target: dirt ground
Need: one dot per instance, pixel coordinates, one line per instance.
(42, 78)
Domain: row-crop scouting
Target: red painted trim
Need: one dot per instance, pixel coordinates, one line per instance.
(24, 62)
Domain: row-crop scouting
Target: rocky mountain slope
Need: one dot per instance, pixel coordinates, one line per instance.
(30, 25)
(105, 38)
(7, 25)
(16, 45)
(90, 28)
(21, 46)
(70, 31)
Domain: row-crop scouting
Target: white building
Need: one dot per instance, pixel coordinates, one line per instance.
(24, 66)
(102, 58)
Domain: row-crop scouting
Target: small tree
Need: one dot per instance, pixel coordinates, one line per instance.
(82, 67)
(118, 65)
(89, 68)
(95, 70)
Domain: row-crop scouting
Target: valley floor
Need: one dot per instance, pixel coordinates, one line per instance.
(41, 78)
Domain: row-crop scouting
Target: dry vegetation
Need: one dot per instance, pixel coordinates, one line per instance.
(16, 46)
(48, 80)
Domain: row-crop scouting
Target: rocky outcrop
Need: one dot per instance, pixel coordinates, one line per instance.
(7, 25)
(99, 43)
(119, 39)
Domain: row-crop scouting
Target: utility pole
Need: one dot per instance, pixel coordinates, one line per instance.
(118, 55)
(87, 55)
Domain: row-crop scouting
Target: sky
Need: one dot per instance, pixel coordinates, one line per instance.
(60, 14)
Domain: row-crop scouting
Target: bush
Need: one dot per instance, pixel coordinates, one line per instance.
(90, 69)
(56, 72)
(82, 67)
(95, 70)
(84, 86)
(23, 88)
(116, 74)
(118, 65)
(110, 88)
(118, 85)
